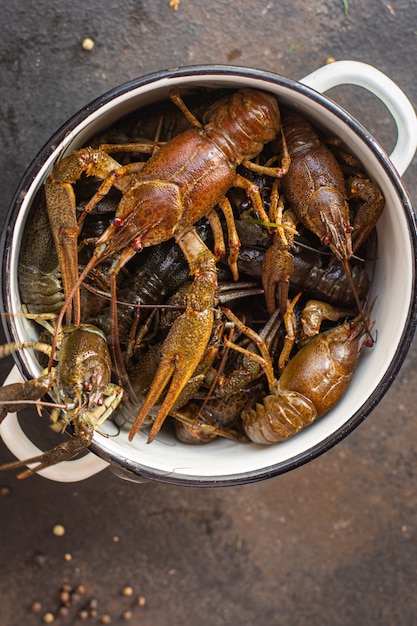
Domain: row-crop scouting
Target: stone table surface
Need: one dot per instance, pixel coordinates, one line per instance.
(333, 542)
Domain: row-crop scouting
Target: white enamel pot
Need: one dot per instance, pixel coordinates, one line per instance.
(223, 462)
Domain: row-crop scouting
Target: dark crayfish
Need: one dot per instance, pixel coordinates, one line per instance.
(80, 384)
(39, 276)
(182, 182)
(311, 271)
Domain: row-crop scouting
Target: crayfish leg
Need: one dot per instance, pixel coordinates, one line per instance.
(278, 263)
(275, 172)
(262, 343)
(177, 93)
(290, 324)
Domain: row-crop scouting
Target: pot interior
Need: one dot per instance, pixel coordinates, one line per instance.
(222, 461)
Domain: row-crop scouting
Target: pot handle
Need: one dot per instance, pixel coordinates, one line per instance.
(22, 448)
(397, 103)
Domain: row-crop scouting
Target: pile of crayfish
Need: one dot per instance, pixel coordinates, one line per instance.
(149, 311)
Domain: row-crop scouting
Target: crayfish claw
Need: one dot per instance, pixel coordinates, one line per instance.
(278, 264)
(62, 452)
(182, 350)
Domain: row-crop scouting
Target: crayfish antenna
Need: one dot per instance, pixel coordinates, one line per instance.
(119, 363)
(348, 272)
(362, 309)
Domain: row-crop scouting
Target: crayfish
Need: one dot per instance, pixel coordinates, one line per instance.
(310, 384)
(317, 194)
(184, 180)
(80, 383)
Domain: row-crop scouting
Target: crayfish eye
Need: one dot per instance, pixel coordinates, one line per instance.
(349, 229)
(369, 342)
(87, 386)
(326, 240)
(117, 222)
(352, 325)
(137, 245)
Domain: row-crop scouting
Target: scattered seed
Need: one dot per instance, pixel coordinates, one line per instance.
(4, 491)
(93, 603)
(127, 591)
(127, 615)
(83, 614)
(35, 607)
(65, 598)
(88, 43)
(80, 590)
(58, 530)
(105, 619)
(48, 618)
(63, 611)
(39, 559)
(330, 60)
(68, 556)
(65, 587)
(116, 539)
(141, 601)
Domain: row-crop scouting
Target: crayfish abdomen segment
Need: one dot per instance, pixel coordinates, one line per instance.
(279, 417)
(241, 124)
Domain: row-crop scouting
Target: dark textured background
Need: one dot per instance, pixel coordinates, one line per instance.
(332, 543)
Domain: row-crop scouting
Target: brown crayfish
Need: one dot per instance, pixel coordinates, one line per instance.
(317, 194)
(80, 384)
(162, 198)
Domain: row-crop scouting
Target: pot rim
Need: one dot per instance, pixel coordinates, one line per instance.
(223, 71)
